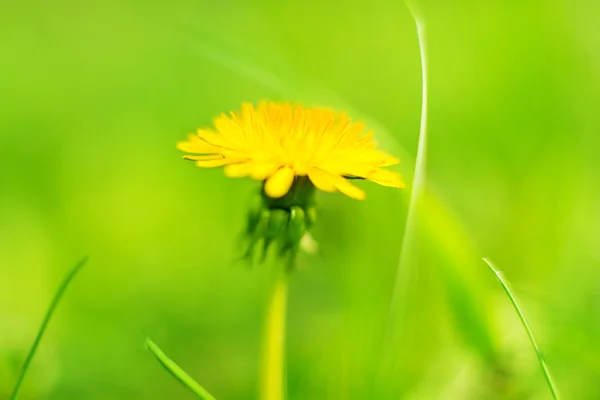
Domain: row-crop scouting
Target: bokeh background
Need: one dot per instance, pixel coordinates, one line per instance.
(94, 96)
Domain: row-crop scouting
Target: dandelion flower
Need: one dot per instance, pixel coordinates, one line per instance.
(282, 143)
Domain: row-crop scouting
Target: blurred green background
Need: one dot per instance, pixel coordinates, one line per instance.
(94, 96)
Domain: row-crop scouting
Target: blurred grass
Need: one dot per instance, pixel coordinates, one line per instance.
(40, 333)
(95, 95)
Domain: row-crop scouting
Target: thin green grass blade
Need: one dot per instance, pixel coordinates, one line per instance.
(515, 304)
(177, 372)
(389, 347)
(57, 297)
(462, 298)
(406, 259)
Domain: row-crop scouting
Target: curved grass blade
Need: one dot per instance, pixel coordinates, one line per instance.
(177, 372)
(406, 258)
(57, 297)
(389, 350)
(515, 304)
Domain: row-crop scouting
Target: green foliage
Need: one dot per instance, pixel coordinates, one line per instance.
(95, 96)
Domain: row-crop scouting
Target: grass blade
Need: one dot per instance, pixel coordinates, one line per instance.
(515, 304)
(419, 180)
(177, 372)
(57, 297)
(397, 308)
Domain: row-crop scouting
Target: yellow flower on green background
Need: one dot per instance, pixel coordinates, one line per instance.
(277, 142)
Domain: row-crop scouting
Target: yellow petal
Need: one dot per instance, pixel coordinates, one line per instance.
(238, 170)
(227, 127)
(347, 168)
(203, 158)
(321, 180)
(216, 163)
(344, 186)
(214, 139)
(279, 183)
(386, 178)
(196, 145)
(248, 116)
(261, 172)
(389, 160)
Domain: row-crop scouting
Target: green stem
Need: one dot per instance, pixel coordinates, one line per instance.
(513, 300)
(57, 297)
(273, 362)
(177, 372)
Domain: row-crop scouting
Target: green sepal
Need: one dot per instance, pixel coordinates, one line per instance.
(256, 233)
(277, 223)
(297, 225)
(255, 213)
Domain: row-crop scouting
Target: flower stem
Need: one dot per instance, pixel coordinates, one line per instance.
(272, 385)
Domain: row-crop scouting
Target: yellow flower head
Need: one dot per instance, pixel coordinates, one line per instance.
(278, 142)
